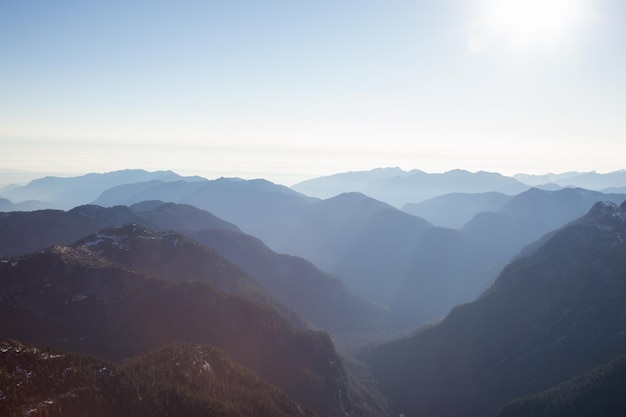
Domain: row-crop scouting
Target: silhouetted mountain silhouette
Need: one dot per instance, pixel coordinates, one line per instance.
(530, 215)
(250, 204)
(595, 181)
(360, 239)
(65, 193)
(455, 209)
(8, 205)
(397, 187)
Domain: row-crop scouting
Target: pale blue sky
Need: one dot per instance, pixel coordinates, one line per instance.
(288, 90)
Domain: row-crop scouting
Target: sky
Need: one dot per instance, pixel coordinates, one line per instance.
(289, 90)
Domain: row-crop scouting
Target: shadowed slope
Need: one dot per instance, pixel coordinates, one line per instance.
(76, 300)
(178, 380)
(548, 317)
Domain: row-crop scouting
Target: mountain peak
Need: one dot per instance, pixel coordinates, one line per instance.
(608, 214)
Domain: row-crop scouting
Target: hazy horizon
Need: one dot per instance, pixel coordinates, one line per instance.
(19, 177)
(291, 91)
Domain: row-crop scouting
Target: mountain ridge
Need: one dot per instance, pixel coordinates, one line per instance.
(73, 299)
(68, 192)
(298, 284)
(549, 316)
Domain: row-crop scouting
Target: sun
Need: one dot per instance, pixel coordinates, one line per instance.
(526, 23)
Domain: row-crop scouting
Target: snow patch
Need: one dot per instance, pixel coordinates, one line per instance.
(93, 243)
(102, 238)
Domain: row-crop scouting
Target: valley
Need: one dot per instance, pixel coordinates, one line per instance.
(203, 297)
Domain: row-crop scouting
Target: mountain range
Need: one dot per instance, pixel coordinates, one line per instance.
(416, 270)
(398, 187)
(249, 204)
(69, 192)
(550, 315)
(589, 180)
(381, 254)
(320, 298)
(243, 297)
(391, 185)
(87, 298)
(28, 205)
(454, 210)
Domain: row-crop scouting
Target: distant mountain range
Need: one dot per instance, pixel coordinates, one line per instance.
(386, 256)
(455, 209)
(28, 205)
(383, 255)
(321, 298)
(246, 203)
(418, 271)
(550, 316)
(224, 279)
(530, 215)
(391, 185)
(356, 237)
(588, 180)
(397, 187)
(66, 193)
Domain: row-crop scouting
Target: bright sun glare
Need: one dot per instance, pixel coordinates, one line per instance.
(525, 23)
